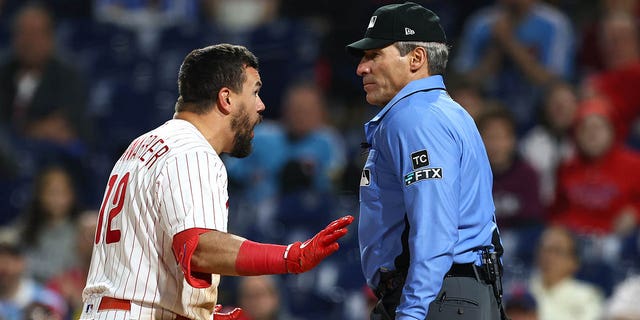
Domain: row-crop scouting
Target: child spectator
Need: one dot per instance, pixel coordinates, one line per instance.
(48, 229)
(549, 143)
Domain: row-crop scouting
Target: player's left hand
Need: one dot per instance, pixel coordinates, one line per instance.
(232, 315)
(302, 257)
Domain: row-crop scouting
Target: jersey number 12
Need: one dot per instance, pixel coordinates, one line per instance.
(117, 203)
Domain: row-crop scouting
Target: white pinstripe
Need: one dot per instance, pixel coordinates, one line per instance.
(183, 186)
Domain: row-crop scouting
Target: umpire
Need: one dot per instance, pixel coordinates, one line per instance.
(429, 242)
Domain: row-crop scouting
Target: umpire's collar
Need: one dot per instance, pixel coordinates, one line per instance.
(424, 84)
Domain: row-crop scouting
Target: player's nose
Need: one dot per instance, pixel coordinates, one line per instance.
(260, 107)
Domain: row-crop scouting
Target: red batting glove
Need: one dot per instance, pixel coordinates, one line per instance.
(234, 314)
(302, 257)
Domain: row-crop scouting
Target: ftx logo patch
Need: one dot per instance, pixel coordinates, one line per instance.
(419, 159)
(422, 174)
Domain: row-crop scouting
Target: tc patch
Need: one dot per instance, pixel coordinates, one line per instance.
(419, 159)
(365, 179)
(424, 174)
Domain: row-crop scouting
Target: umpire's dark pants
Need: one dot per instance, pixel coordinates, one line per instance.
(464, 298)
(461, 298)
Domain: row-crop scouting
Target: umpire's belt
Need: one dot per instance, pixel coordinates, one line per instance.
(469, 270)
(109, 303)
(392, 280)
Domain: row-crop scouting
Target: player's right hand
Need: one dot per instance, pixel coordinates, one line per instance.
(232, 315)
(302, 257)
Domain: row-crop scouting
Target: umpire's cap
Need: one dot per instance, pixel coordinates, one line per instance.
(408, 21)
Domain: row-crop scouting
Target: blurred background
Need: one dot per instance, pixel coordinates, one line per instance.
(554, 87)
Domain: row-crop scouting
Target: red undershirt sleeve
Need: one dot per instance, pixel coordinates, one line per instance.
(256, 258)
(184, 244)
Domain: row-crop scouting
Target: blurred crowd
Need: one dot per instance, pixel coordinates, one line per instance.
(553, 86)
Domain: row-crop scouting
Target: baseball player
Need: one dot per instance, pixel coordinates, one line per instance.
(161, 242)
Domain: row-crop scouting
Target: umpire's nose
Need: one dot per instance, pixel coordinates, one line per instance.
(363, 67)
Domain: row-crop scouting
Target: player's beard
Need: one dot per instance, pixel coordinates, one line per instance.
(242, 127)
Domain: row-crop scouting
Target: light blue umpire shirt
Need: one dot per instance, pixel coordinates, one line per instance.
(427, 162)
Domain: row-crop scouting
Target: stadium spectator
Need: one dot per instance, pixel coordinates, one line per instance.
(146, 17)
(620, 47)
(240, 16)
(71, 281)
(519, 211)
(41, 96)
(304, 144)
(468, 94)
(590, 54)
(305, 117)
(18, 291)
(43, 112)
(288, 47)
(517, 204)
(520, 304)
(598, 189)
(558, 293)
(48, 228)
(622, 304)
(259, 297)
(549, 142)
(40, 311)
(513, 48)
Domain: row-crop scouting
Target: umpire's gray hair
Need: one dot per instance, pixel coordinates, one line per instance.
(437, 54)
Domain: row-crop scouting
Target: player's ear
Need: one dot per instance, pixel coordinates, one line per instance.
(224, 100)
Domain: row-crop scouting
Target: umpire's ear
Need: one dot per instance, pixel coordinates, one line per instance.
(418, 59)
(224, 100)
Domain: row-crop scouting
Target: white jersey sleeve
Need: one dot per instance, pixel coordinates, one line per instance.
(193, 193)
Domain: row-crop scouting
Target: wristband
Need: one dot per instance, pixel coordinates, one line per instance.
(260, 258)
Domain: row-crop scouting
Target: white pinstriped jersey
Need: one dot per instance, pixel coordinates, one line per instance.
(168, 180)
